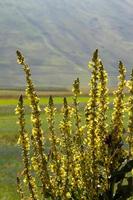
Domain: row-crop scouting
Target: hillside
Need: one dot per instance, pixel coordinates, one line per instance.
(58, 38)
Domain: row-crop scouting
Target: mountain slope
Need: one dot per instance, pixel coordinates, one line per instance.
(58, 38)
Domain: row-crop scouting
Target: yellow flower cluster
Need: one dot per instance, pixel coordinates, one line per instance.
(85, 157)
(25, 143)
(117, 152)
(130, 114)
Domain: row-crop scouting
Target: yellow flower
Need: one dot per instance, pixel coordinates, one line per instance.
(68, 195)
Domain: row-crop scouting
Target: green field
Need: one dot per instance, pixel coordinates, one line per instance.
(10, 161)
(44, 100)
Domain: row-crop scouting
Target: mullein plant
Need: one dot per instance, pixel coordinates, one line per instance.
(116, 151)
(70, 173)
(118, 115)
(130, 123)
(85, 159)
(25, 143)
(91, 113)
(102, 127)
(54, 153)
(79, 140)
(113, 137)
(39, 159)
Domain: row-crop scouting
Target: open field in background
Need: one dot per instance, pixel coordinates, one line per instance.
(8, 93)
(10, 153)
(79, 27)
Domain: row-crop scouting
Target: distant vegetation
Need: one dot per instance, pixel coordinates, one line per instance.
(86, 157)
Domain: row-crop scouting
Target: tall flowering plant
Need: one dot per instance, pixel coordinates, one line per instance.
(87, 158)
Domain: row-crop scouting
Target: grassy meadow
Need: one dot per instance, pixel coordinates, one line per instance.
(10, 153)
(10, 159)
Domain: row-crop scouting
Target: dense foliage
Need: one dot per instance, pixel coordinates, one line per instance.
(85, 159)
